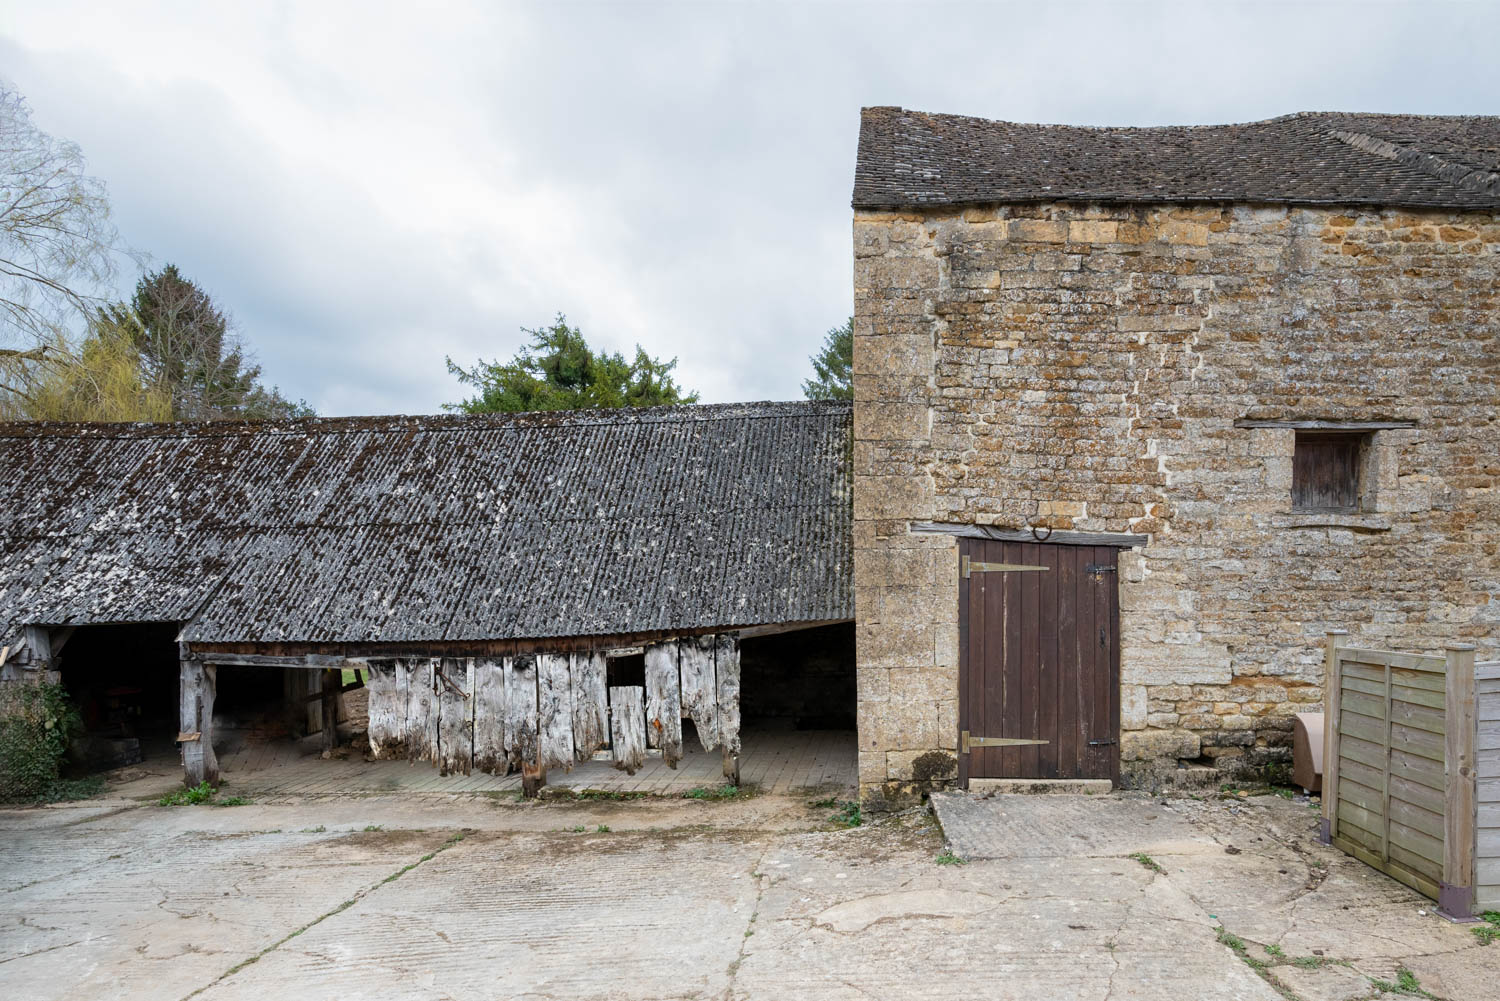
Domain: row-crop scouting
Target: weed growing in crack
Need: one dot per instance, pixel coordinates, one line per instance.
(1490, 930)
(602, 829)
(948, 858)
(849, 816)
(1406, 983)
(1227, 937)
(1275, 950)
(1149, 862)
(373, 827)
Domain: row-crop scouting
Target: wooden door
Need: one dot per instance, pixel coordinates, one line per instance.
(1039, 661)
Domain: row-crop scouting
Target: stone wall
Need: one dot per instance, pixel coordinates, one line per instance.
(1083, 367)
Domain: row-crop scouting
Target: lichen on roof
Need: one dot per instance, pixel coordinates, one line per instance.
(432, 528)
(912, 159)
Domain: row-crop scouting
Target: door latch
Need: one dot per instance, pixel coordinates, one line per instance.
(1107, 740)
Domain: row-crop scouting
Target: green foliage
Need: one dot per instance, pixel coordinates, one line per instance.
(849, 816)
(99, 379)
(948, 858)
(1149, 863)
(1230, 939)
(1490, 930)
(1275, 950)
(833, 366)
(190, 354)
(36, 723)
(602, 829)
(558, 370)
(233, 801)
(190, 796)
(725, 791)
(1406, 983)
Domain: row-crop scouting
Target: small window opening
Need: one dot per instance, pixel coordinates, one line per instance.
(1326, 470)
(625, 669)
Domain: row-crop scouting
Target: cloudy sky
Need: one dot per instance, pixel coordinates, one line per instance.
(370, 187)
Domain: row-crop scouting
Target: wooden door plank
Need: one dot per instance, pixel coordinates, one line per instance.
(700, 688)
(590, 704)
(1067, 662)
(554, 702)
(1031, 656)
(520, 711)
(1011, 695)
(1112, 684)
(965, 668)
(627, 727)
(455, 744)
(422, 710)
(1047, 754)
(664, 702)
(489, 716)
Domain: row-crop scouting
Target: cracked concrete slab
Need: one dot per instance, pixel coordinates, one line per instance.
(353, 897)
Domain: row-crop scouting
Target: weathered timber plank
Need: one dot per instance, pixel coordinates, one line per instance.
(1412, 848)
(1403, 738)
(590, 704)
(1419, 793)
(1487, 737)
(1427, 771)
(421, 709)
(664, 702)
(1417, 662)
(1422, 884)
(311, 660)
(1420, 717)
(1416, 817)
(627, 726)
(520, 710)
(554, 712)
(700, 694)
(387, 710)
(489, 716)
(727, 674)
(1416, 696)
(455, 745)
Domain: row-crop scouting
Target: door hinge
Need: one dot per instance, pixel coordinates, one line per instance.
(967, 566)
(1107, 740)
(965, 742)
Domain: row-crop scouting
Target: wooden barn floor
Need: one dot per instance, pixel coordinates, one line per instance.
(773, 761)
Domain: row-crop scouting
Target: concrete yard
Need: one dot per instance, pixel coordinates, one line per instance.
(480, 896)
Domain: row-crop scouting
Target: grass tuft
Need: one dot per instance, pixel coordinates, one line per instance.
(715, 794)
(849, 816)
(1149, 862)
(948, 858)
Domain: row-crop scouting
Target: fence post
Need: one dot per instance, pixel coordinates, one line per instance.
(1332, 685)
(1456, 891)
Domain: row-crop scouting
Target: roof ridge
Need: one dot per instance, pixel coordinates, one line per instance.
(1471, 178)
(396, 423)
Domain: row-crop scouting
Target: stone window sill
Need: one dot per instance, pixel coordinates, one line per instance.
(1331, 519)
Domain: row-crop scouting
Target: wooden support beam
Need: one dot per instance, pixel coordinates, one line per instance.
(627, 719)
(1332, 686)
(195, 714)
(1456, 891)
(312, 661)
(664, 702)
(330, 695)
(1060, 537)
(1326, 425)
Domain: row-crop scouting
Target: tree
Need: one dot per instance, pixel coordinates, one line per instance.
(99, 381)
(558, 370)
(833, 366)
(190, 353)
(57, 244)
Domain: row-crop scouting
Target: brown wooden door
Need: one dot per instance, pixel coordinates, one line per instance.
(1039, 660)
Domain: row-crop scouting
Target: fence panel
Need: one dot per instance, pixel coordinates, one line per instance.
(1399, 767)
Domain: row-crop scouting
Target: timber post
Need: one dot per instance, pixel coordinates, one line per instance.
(1456, 891)
(533, 777)
(1328, 828)
(333, 680)
(195, 722)
(731, 767)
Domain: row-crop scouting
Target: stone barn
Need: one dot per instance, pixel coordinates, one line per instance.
(1141, 413)
(518, 592)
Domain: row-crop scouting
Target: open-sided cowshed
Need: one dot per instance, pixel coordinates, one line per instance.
(523, 590)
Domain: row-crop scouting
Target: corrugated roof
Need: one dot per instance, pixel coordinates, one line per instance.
(908, 159)
(405, 529)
